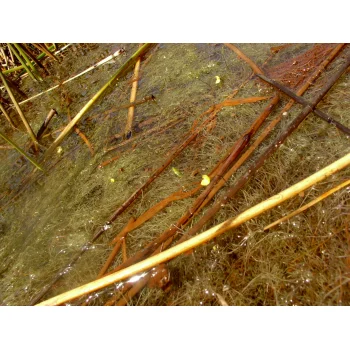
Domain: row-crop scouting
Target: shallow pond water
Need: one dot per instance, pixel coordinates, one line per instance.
(47, 218)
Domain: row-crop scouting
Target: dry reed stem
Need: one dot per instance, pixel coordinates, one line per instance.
(24, 64)
(310, 204)
(203, 237)
(131, 110)
(27, 51)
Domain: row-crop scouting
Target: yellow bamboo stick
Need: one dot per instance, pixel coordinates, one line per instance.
(201, 238)
(308, 205)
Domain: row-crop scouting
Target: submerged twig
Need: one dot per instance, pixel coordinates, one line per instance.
(82, 135)
(304, 102)
(266, 112)
(156, 130)
(203, 237)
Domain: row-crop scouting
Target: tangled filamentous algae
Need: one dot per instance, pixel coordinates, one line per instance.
(45, 219)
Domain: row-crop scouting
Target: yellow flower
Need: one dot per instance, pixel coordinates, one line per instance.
(217, 79)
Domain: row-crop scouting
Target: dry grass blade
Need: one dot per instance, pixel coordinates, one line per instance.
(308, 205)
